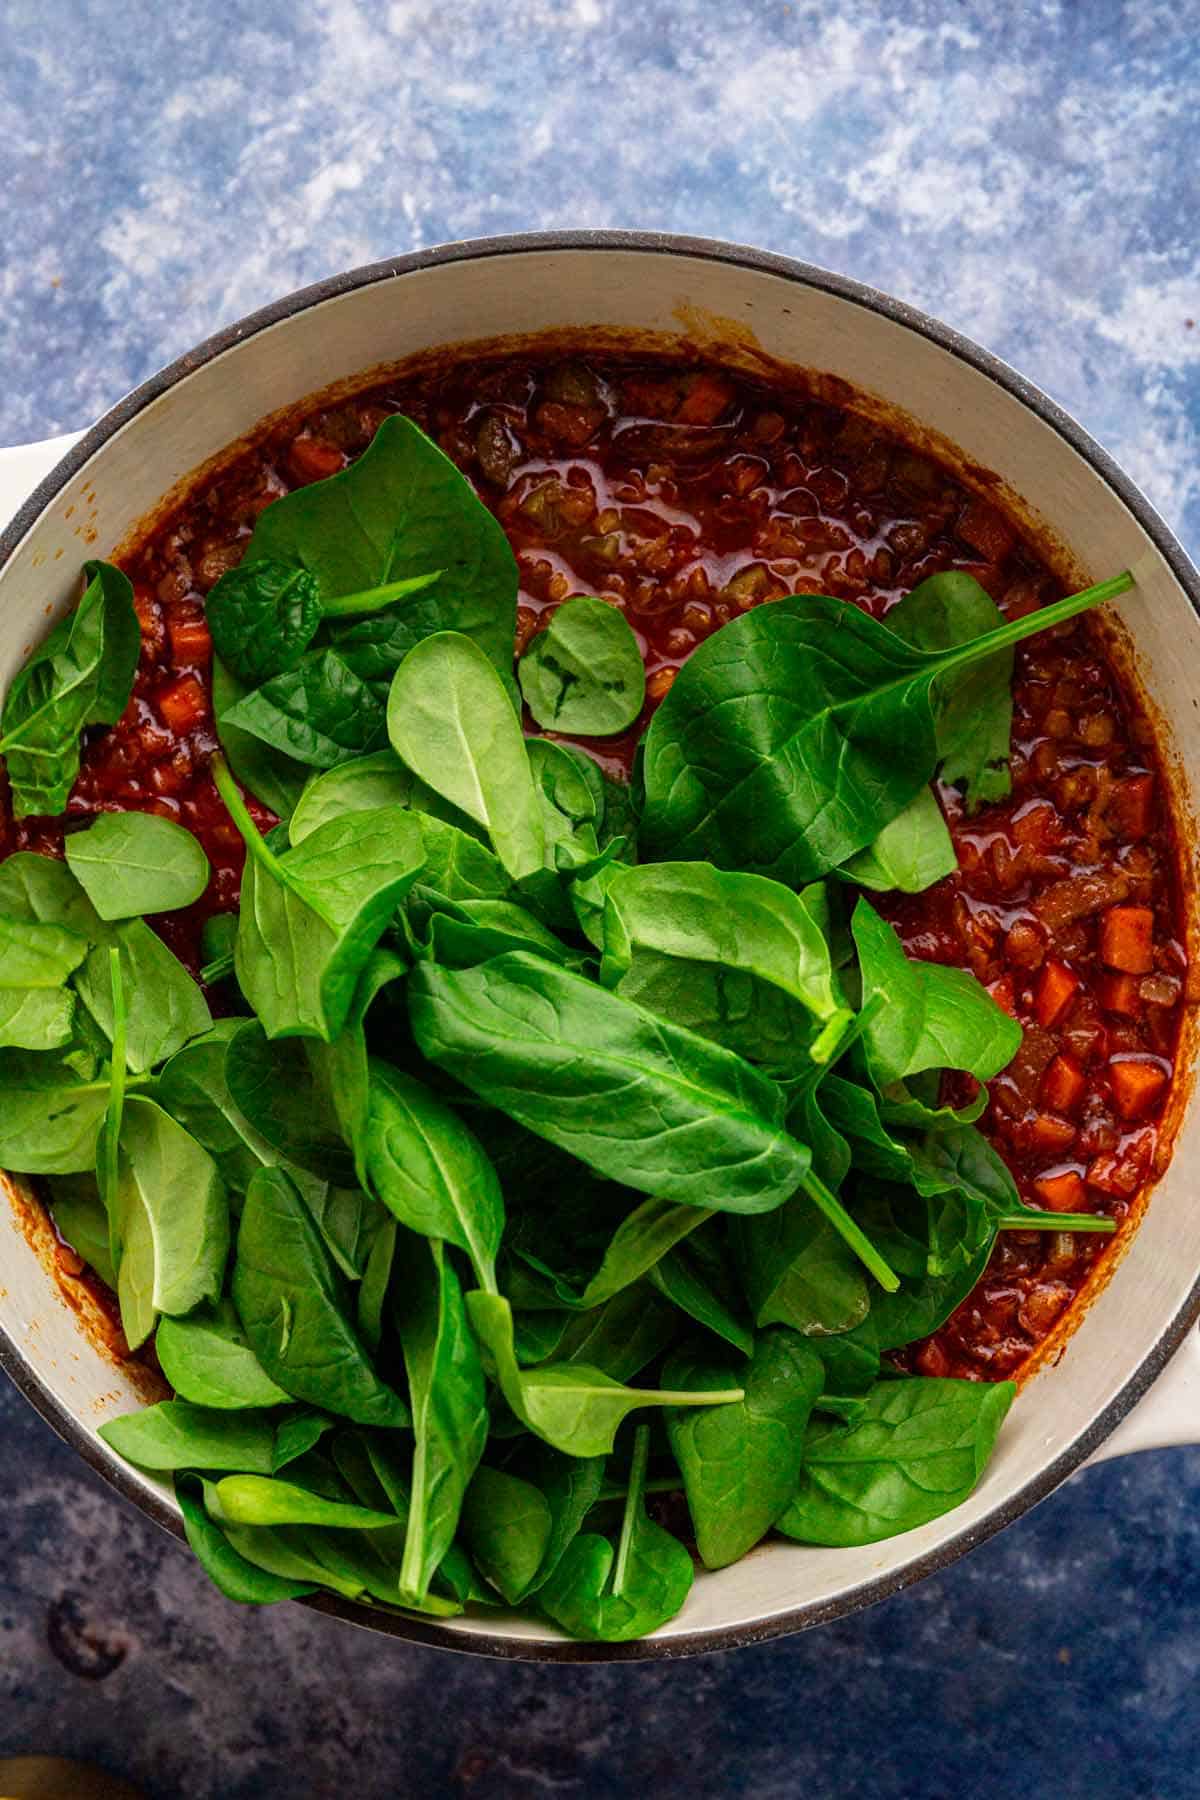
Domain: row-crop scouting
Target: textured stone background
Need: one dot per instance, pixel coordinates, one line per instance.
(1028, 173)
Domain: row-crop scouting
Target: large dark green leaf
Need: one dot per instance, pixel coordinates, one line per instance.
(82, 675)
(647, 1104)
(792, 736)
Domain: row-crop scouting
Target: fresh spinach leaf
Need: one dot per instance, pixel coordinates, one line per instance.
(570, 791)
(506, 1525)
(208, 1361)
(376, 1280)
(693, 911)
(621, 1336)
(912, 851)
(467, 932)
(275, 779)
(610, 1594)
(310, 917)
(272, 1086)
(319, 713)
(928, 1016)
(177, 1435)
(793, 735)
(36, 1018)
(450, 720)
(584, 673)
(264, 615)
(36, 954)
(257, 1500)
(236, 1578)
(365, 785)
(917, 1450)
(741, 1464)
(735, 1009)
(130, 863)
(82, 675)
(50, 1118)
(682, 1281)
(797, 1271)
(570, 1486)
(973, 710)
(81, 1221)
(449, 1407)
(644, 1102)
(286, 1554)
(572, 1407)
(400, 511)
(293, 1309)
(194, 1089)
(169, 1219)
(170, 1007)
(430, 1171)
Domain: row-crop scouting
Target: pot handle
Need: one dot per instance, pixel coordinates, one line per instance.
(22, 467)
(1168, 1414)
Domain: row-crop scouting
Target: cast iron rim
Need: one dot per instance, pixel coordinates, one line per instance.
(867, 1593)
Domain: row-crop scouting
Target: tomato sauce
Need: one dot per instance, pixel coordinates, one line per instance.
(686, 495)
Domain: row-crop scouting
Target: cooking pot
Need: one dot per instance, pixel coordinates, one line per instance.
(754, 310)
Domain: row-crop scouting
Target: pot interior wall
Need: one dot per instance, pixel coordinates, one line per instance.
(750, 311)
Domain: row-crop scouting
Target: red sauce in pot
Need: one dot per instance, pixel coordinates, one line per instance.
(687, 495)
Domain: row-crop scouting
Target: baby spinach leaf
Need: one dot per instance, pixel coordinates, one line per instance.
(257, 1500)
(741, 1464)
(276, 780)
(917, 1450)
(570, 791)
(347, 1219)
(570, 1486)
(81, 1221)
(318, 713)
(793, 735)
(640, 1242)
(400, 511)
(506, 1525)
(310, 917)
(613, 1595)
(449, 1407)
(928, 1016)
(693, 911)
(797, 1271)
(342, 1067)
(645, 1103)
(193, 1087)
(973, 710)
(170, 1007)
(473, 931)
(41, 890)
(286, 1554)
(449, 719)
(912, 851)
(236, 1578)
(430, 1171)
(82, 675)
(208, 1361)
(130, 863)
(263, 615)
(621, 1336)
(50, 1119)
(574, 1408)
(735, 1009)
(293, 1309)
(682, 1281)
(376, 1280)
(364, 785)
(169, 1218)
(584, 673)
(273, 1088)
(176, 1435)
(36, 1018)
(36, 954)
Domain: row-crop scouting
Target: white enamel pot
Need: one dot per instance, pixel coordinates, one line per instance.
(752, 309)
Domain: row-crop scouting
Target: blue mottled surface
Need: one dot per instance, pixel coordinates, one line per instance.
(1028, 173)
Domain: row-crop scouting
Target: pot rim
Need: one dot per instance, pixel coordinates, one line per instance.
(13, 1359)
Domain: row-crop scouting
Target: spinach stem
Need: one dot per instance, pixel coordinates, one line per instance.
(371, 599)
(633, 1505)
(238, 811)
(117, 1077)
(1052, 1221)
(1056, 614)
(827, 1202)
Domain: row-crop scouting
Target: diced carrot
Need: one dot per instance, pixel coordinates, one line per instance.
(986, 529)
(1131, 805)
(1062, 1193)
(182, 703)
(312, 459)
(1047, 1132)
(1136, 1085)
(1063, 1085)
(1055, 990)
(706, 399)
(1119, 994)
(190, 640)
(1004, 994)
(1127, 939)
(1038, 826)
